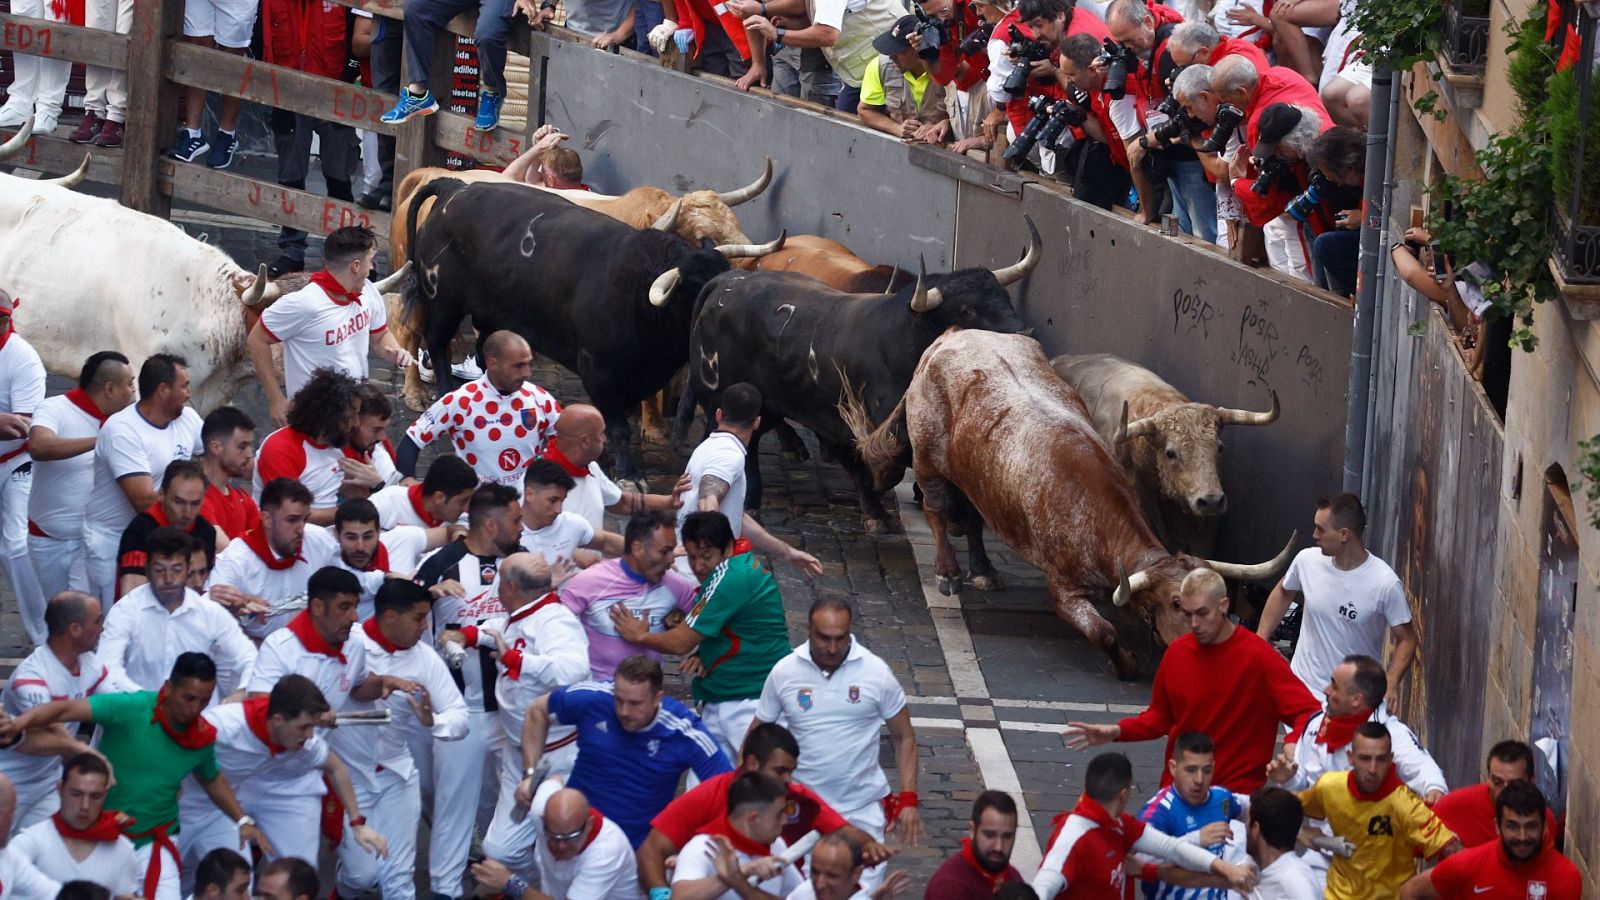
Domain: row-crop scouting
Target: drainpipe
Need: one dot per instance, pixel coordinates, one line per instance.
(1380, 164)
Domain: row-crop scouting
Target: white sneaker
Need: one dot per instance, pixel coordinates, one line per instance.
(44, 124)
(467, 370)
(11, 118)
(424, 367)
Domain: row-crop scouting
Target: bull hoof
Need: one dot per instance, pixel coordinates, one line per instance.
(660, 435)
(874, 526)
(1124, 666)
(956, 528)
(990, 582)
(949, 585)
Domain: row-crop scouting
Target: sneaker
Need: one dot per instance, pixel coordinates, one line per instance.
(424, 367)
(189, 147)
(376, 199)
(488, 110)
(283, 265)
(87, 130)
(110, 135)
(467, 370)
(221, 155)
(411, 105)
(45, 124)
(11, 118)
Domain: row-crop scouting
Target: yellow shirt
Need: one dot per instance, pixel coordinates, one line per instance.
(1388, 829)
(872, 93)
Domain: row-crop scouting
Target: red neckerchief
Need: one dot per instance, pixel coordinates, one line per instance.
(160, 515)
(1091, 809)
(1339, 731)
(350, 452)
(994, 879)
(103, 830)
(553, 453)
(310, 639)
(741, 546)
(595, 821)
(1391, 783)
(414, 494)
(534, 607)
(370, 626)
(9, 331)
(80, 398)
(739, 841)
(334, 289)
(199, 735)
(380, 560)
(255, 716)
(256, 540)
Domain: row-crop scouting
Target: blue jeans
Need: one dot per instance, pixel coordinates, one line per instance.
(1335, 256)
(647, 14)
(1194, 199)
(426, 18)
(849, 99)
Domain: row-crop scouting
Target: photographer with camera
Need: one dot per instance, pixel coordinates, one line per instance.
(1022, 60)
(1285, 195)
(1199, 43)
(963, 29)
(843, 29)
(1339, 155)
(898, 93)
(1103, 175)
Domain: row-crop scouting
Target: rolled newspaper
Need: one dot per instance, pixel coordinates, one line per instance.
(368, 717)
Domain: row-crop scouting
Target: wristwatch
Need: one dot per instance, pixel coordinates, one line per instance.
(244, 820)
(778, 43)
(530, 772)
(358, 821)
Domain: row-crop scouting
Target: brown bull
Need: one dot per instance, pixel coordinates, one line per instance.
(988, 418)
(831, 263)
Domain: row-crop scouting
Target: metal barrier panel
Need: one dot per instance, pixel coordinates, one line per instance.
(1219, 332)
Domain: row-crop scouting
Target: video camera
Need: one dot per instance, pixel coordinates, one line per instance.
(1050, 119)
(1120, 60)
(1025, 51)
(932, 31)
(1229, 118)
(977, 41)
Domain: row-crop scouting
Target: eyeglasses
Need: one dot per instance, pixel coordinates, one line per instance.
(567, 838)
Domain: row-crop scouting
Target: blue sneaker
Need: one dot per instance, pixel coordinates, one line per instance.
(189, 147)
(411, 105)
(488, 110)
(221, 155)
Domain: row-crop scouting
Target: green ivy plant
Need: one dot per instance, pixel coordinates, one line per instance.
(1589, 475)
(1397, 34)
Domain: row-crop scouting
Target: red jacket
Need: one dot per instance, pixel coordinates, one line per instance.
(1281, 85)
(1082, 22)
(1240, 47)
(950, 57)
(308, 35)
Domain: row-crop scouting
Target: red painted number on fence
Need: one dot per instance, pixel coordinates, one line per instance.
(350, 104)
(335, 215)
(27, 39)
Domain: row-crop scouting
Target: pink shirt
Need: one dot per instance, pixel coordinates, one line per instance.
(591, 593)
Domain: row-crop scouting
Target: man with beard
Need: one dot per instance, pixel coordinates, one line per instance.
(374, 557)
(1521, 864)
(264, 573)
(229, 437)
(984, 862)
(310, 448)
(368, 456)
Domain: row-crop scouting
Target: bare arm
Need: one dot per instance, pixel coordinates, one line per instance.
(1272, 614)
(652, 857)
(259, 344)
(339, 777)
(221, 793)
(875, 118)
(322, 516)
(607, 542)
(764, 542)
(679, 640)
(45, 446)
(47, 714)
(712, 490)
(140, 491)
(1420, 887)
(1405, 652)
(390, 349)
(904, 738)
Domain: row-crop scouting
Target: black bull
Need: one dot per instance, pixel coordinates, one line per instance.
(573, 282)
(803, 344)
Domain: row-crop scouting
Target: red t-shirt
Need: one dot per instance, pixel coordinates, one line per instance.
(308, 35)
(950, 57)
(1082, 22)
(1239, 47)
(685, 816)
(1282, 85)
(233, 513)
(1096, 853)
(1485, 872)
(1469, 813)
(961, 877)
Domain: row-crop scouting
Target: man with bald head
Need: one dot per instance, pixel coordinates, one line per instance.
(580, 438)
(581, 853)
(498, 423)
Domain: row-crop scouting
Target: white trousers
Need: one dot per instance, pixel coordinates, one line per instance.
(167, 888)
(14, 489)
(1287, 251)
(100, 559)
(107, 89)
(459, 783)
(60, 564)
(728, 722)
(291, 822)
(511, 841)
(41, 82)
(393, 808)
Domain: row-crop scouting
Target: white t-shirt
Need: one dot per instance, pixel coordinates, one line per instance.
(697, 860)
(20, 880)
(21, 387)
(283, 653)
(251, 766)
(403, 548)
(591, 496)
(61, 486)
(1343, 613)
(111, 864)
(560, 538)
(287, 453)
(836, 720)
(721, 454)
(401, 504)
(40, 679)
(497, 434)
(129, 445)
(1288, 878)
(369, 750)
(318, 331)
(240, 566)
(808, 891)
(142, 640)
(605, 868)
(859, 22)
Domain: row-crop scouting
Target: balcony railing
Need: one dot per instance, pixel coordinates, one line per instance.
(1466, 36)
(1577, 218)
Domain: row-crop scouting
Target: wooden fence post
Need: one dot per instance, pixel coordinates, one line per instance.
(152, 103)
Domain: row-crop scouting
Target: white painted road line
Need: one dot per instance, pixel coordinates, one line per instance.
(966, 679)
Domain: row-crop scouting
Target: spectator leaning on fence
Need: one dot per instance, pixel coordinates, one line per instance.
(898, 94)
(844, 32)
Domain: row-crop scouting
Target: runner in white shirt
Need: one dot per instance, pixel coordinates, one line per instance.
(741, 845)
(21, 392)
(1350, 600)
(1274, 825)
(277, 763)
(64, 668)
(328, 323)
(368, 456)
(498, 423)
(835, 870)
(157, 621)
(835, 694)
(264, 573)
(130, 454)
(549, 530)
(61, 442)
(576, 445)
(374, 557)
(425, 701)
(84, 842)
(310, 449)
(440, 498)
(22, 881)
(581, 853)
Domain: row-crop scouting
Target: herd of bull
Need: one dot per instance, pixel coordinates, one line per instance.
(1093, 469)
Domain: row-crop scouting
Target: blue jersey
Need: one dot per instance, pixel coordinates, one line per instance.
(1168, 813)
(630, 776)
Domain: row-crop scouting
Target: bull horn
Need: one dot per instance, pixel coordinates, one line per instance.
(1258, 571)
(924, 298)
(661, 289)
(73, 178)
(1128, 431)
(744, 251)
(889, 288)
(751, 190)
(1128, 586)
(1013, 273)
(669, 219)
(1246, 417)
(262, 291)
(392, 283)
(17, 140)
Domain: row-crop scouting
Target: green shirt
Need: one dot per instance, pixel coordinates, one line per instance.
(740, 614)
(149, 765)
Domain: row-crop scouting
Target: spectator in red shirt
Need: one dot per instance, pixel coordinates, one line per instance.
(1108, 185)
(1521, 864)
(1199, 42)
(984, 862)
(770, 749)
(1470, 811)
(958, 20)
(1218, 679)
(229, 437)
(1049, 21)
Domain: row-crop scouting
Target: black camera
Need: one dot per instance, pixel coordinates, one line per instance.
(1120, 61)
(1050, 119)
(1229, 118)
(1301, 207)
(1273, 168)
(1025, 51)
(932, 32)
(978, 41)
(1177, 125)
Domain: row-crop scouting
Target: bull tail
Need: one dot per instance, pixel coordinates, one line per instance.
(412, 315)
(879, 445)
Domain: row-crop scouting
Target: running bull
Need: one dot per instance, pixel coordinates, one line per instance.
(802, 343)
(1168, 443)
(609, 302)
(989, 421)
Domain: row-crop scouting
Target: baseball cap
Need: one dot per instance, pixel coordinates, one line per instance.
(894, 40)
(1274, 125)
(7, 303)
